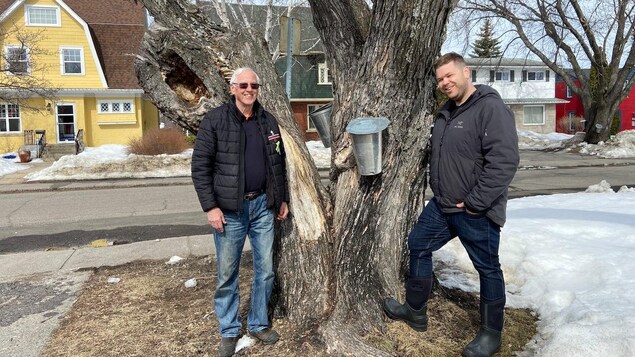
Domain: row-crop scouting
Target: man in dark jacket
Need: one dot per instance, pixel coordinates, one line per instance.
(474, 157)
(240, 177)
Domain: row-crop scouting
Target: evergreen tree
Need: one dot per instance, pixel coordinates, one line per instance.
(486, 46)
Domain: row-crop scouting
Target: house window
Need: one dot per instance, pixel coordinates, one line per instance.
(9, 118)
(633, 120)
(310, 109)
(115, 106)
(324, 76)
(502, 76)
(534, 115)
(17, 59)
(42, 16)
(72, 60)
(535, 75)
(569, 92)
(572, 121)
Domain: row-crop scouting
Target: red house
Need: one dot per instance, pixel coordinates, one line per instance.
(570, 116)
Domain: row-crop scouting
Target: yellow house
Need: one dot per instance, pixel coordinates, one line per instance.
(84, 49)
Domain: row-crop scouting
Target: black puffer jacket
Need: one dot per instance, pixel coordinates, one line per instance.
(475, 155)
(218, 159)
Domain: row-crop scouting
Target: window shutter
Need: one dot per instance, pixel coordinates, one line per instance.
(524, 76)
(491, 75)
(547, 76)
(511, 75)
(473, 75)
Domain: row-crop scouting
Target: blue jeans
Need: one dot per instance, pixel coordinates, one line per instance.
(478, 234)
(257, 221)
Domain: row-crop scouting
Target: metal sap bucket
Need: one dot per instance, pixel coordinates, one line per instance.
(366, 134)
(321, 118)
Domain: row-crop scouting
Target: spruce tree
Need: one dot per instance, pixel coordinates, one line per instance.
(486, 46)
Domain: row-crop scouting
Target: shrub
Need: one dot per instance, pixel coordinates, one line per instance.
(570, 125)
(159, 141)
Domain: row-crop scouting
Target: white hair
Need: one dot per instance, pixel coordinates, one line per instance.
(240, 71)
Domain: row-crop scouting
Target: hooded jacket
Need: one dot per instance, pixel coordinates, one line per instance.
(474, 155)
(218, 159)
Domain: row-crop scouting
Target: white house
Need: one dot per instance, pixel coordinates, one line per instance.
(527, 86)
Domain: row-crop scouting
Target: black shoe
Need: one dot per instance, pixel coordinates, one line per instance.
(417, 319)
(267, 336)
(227, 346)
(486, 343)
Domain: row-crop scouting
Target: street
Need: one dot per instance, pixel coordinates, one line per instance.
(72, 218)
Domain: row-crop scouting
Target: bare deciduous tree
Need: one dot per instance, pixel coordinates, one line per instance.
(343, 250)
(577, 35)
(24, 72)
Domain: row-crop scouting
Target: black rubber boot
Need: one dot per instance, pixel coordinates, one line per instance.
(488, 340)
(414, 311)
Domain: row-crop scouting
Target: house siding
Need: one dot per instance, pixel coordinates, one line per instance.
(547, 127)
(626, 109)
(115, 40)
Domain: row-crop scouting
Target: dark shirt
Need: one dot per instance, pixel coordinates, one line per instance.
(255, 165)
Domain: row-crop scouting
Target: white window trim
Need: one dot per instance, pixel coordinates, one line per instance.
(502, 71)
(82, 62)
(110, 102)
(543, 114)
(569, 93)
(28, 60)
(58, 15)
(6, 105)
(323, 67)
(535, 73)
(311, 128)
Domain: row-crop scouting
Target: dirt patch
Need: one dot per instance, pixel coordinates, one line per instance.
(151, 313)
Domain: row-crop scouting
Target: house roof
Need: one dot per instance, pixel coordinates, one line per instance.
(503, 62)
(116, 28)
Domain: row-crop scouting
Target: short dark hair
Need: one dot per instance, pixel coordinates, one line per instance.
(449, 57)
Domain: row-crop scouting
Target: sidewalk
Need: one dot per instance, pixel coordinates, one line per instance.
(37, 289)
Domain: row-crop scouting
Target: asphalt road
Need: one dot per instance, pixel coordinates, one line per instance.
(72, 218)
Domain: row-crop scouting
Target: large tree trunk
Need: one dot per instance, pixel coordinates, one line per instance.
(340, 254)
(184, 65)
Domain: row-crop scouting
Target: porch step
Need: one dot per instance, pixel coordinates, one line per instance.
(53, 152)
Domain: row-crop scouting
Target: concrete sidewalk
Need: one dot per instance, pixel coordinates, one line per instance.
(38, 288)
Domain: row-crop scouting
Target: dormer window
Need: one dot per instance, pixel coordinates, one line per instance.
(41, 15)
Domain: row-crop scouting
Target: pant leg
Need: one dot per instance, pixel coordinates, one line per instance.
(481, 237)
(430, 233)
(261, 237)
(229, 247)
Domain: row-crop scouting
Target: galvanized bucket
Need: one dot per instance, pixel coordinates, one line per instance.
(366, 134)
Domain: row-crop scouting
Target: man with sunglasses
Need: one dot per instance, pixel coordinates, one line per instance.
(473, 159)
(240, 177)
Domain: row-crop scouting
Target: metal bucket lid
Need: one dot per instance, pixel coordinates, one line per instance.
(370, 125)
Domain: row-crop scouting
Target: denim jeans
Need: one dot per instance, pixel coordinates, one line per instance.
(256, 221)
(478, 234)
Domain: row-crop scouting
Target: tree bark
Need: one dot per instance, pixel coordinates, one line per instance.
(342, 253)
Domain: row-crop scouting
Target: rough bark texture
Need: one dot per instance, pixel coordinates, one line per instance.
(382, 65)
(341, 254)
(184, 65)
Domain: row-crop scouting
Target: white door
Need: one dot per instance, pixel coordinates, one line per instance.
(65, 114)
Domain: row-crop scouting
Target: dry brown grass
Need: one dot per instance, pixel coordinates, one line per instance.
(151, 313)
(159, 141)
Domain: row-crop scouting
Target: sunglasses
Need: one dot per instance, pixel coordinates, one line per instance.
(245, 85)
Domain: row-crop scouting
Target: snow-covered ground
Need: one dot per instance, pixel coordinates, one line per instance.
(569, 257)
